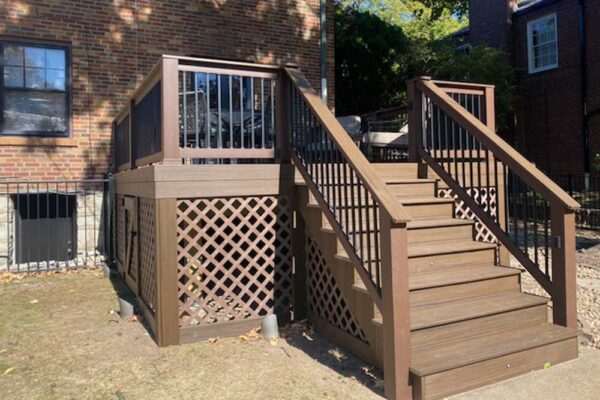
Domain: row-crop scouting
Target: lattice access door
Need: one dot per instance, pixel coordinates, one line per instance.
(235, 258)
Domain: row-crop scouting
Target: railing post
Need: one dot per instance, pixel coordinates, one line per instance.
(170, 110)
(564, 267)
(167, 303)
(415, 118)
(396, 308)
(282, 136)
(490, 107)
(131, 150)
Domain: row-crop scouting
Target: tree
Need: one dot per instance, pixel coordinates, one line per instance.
(481, 64)
(371, 64)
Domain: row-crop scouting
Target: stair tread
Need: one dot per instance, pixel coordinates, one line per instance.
(446, 247)
(421, 223)
(453, 276)
(406, 200)
(447, 356)
(444, 277)
(430, 315)
(433, 248)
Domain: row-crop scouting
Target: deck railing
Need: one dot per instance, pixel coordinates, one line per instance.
(537, 225)
(369, 223)
(200, 110)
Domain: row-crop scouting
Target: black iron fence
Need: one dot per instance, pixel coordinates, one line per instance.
(586, 190)
(52, 225)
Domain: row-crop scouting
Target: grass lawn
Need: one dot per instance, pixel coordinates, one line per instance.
(59, 340)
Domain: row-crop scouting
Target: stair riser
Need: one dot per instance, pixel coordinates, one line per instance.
(429, 263)
(472, 376)
(412, 189)
(397, 171)
(443, 210)
(464, 290)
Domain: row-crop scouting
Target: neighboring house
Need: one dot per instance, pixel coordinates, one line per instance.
(554, 47)
(69, 66)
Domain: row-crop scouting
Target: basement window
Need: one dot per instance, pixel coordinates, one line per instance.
(35, 96)
(542, 44)
(45, 227)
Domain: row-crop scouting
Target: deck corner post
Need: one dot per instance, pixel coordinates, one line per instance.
(415, 118)
(396, 309)
(167, 307)
(170, 110)
(564, 267)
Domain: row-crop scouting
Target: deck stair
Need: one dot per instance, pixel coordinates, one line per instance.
(470, 323)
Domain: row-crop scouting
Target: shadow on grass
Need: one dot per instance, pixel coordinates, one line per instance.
(334, 356)
(122, 291)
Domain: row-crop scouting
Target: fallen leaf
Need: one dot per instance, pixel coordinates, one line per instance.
(547, 365)
(273, 342)
(213, 340)
(72, 291)
(3, 351)
(34, 301)
(307, 336)
(9, 370)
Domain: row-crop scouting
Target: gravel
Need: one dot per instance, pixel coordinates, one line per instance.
(588, 286)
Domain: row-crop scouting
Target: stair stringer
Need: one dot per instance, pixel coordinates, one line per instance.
(360, 303)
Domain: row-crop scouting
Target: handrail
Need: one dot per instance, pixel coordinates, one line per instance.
(502, 150)
(354, 156)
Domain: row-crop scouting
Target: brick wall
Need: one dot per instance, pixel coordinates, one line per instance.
(114, 43)
(549, 122)
(489, 22)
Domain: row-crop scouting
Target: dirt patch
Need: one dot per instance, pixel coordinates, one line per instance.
(60, 340)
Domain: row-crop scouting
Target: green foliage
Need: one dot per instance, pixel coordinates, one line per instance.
(380, 44)
(370, 62)
(417, 19)
(481, 64)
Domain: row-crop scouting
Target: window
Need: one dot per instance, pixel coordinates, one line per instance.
(542, 44)
(35, 98)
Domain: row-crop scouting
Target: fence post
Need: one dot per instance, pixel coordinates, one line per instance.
(415, 118)
(396, 308)
(167, 303)
(564, 267)
(170, 110)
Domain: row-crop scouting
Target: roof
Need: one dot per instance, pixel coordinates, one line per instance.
(531, 5)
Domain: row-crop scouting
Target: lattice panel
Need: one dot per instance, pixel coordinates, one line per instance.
(235, 258)
(324, 297)
(147, 238)
(486, 197)
(121, 229)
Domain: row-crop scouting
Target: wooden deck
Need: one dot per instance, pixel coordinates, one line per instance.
(406, 265)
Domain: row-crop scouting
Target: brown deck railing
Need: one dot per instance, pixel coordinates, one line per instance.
(537, 224)
(199, 109)
(369, 223)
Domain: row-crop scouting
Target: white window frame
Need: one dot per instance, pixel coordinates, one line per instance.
(530, 51)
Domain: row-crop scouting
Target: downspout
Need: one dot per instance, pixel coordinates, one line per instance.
(584, 92)
(323, 12)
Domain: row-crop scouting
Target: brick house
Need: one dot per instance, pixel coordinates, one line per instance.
(553, 46)
(70, 66)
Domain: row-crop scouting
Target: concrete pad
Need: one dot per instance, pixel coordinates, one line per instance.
(578, 379)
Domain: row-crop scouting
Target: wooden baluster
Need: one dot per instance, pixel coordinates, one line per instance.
(564, 266)
(170, 111)
(396, 308)
(283, 118)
